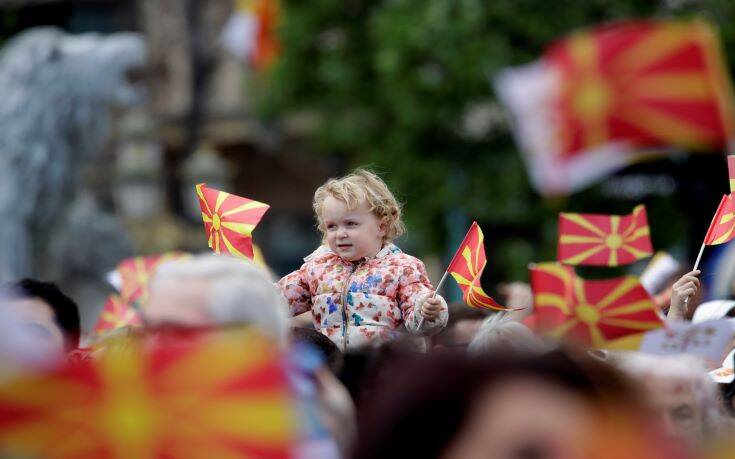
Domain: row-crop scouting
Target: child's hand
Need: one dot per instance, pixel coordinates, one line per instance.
(431, 307)
(682, 290)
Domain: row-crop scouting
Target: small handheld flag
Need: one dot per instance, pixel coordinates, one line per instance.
(466, 268)
(229, 220)
(589, 312)
(604, 240)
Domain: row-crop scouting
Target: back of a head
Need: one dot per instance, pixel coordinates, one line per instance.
(326, 347)
(66, 311)
(239, 291)
(500, 331)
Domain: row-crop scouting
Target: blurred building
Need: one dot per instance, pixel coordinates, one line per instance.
(197, 126)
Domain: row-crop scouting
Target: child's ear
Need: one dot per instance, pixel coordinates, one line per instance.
(383, 227)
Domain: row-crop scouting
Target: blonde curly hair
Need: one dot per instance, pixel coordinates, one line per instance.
(358, 187)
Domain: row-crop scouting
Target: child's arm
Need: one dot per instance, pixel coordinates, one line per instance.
(295, 290)
(413, 291)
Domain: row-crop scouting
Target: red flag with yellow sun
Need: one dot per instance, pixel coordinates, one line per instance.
(611, 95)
(589, 312)
(466, 268)
(604, 240)
(722, 227)
(117, 314)
(135, 274)
(196, 398)
(229, 220)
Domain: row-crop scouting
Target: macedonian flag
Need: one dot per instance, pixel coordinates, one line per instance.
(466, 268)
(589, 312)
(229, 220)
(722, 228)
(604, 240)
(135, 274)
(605, 97)
(117, 314)
(199, 398)
(647, 82)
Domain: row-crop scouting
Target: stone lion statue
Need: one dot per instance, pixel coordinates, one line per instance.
(56, 95)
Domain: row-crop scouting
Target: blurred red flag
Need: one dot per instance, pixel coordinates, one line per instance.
(136, 273)
(466, 268)
(250, 33)
(589, 312)
(604, 240)
(117, 314)
(229, 220)
(722, 227)
(196, 398)
(601, 97)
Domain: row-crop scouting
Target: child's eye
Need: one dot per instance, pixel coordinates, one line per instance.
(351, 223)
(331, 227)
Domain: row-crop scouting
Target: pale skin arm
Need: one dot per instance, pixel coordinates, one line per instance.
(683, 289)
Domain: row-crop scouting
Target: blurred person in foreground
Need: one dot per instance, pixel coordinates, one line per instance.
(220, 293)
(507, 405)
(682, 393)
(48, 319)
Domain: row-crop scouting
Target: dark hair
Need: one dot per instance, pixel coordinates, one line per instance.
(66, 311)
(436, 393)
(324, 345)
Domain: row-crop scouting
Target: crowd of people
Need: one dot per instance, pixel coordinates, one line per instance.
(399, 373)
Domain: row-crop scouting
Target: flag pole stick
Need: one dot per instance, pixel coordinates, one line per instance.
(438, 286)
(699, 257)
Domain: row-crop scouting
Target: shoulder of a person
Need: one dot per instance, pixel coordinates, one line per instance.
(323, 254)
(397, 256)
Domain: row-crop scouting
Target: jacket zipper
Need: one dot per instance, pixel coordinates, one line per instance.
(345, 319)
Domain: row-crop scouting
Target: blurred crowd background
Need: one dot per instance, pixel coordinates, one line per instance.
(403, 87)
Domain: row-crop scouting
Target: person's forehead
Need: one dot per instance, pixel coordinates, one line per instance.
(335, 208)
(30, 307)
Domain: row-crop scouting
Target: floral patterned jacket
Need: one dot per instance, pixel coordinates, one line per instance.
(363, 303)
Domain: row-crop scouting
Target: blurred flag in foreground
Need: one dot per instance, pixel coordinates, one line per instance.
(117, 314)
(206, 397)
(605, 97)
(229, 220)
(466, 268)
(722, 227)
(133, 275)
(604, 240)
(589, 312)
(250, 33)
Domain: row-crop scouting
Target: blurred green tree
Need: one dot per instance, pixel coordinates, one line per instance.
(404, 86)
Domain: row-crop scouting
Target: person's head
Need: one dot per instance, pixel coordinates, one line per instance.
(463, 324)
(503, 405)
(331, 353)
(215, 291)
(681, 392)
(45, 312)
(501, 332)
(357, 215)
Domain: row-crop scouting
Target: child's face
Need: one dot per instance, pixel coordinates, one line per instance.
(352, 234)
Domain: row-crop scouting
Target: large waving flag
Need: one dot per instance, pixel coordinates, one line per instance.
(589, 312)
(604, 240)
(605, 97)
(229, 220)
(722, 228)
(199, 398)
(117, 314)
(466, 268)
(135, 274)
